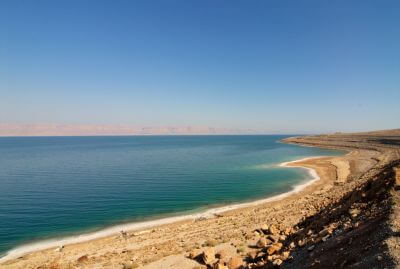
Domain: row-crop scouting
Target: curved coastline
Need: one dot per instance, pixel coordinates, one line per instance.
(136, 226)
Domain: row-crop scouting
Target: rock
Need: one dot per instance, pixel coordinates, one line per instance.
(325, 238)
(235, 263)
(274, 248)
(285, 254)
(324, 232)
(260, 254)
(277, 262)
(271, 250)
(208, 256)
(83, 258)
(260, 264)
(292, 245)
(273, 230)
(311, 248)
(264, 228)
(397, 180)
(220, 266)
(287, 231)
(301, 243)
(194, 253)
(252, 255)
(222, 255)
(262, 242)
(274, 238)
(379, 258)
(354, 212)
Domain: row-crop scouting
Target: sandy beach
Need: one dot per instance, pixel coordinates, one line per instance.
(140, 230)
(141, 226)
(299, 217)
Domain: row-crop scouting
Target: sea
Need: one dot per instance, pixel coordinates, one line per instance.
(56, 187)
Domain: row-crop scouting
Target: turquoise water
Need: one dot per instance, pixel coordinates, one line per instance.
(57, 186)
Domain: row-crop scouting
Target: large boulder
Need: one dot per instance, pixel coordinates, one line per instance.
(235, 263)
(208, 256)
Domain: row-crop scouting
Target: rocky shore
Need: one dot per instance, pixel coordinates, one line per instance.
(350, 218)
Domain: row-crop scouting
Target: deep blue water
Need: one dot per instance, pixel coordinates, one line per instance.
(53, 186)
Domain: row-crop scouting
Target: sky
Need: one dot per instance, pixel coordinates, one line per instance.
(272, 66)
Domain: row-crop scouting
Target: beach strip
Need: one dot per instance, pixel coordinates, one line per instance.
(142, 227)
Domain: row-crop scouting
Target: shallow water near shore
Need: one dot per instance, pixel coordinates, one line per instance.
(61, 186)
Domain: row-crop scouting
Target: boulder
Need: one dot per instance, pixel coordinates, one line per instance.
(222, 255)
(273, 230)
(208, 256)
(194, 254)
(274, 238)
(252, 255)
(262, 242)
(235, 263)
(277, 262)
(274, 248)
(285, 254)
(264, 228)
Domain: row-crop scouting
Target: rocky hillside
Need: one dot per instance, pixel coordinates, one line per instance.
(361, 229)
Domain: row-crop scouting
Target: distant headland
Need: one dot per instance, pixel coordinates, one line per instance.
(108, 129)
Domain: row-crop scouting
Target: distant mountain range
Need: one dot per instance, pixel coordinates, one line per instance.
(92, 129)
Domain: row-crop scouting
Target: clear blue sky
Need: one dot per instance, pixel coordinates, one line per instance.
(288, 66)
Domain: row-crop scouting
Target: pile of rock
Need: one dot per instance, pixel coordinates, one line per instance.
(270, 247)
(217, 260)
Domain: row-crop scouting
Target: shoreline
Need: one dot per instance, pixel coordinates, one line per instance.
(328, 224)
(149, 224)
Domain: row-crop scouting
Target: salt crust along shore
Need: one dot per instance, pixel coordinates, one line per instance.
(47, 244)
